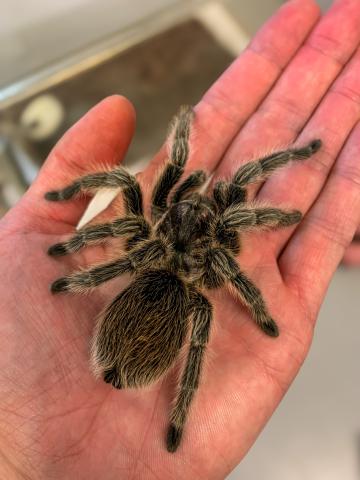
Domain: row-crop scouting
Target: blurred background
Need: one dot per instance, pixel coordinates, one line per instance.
(58, 59)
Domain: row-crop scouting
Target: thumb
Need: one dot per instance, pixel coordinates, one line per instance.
(98, 140)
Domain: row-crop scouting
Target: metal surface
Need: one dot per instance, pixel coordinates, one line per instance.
(94, 55)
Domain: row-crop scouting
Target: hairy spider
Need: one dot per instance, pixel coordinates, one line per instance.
(187, 246)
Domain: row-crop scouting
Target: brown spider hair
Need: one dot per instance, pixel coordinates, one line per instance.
(187, 246)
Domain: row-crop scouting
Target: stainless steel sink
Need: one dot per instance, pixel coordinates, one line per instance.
(171, 68)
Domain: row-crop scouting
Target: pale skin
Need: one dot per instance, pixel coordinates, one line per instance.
(56, 420)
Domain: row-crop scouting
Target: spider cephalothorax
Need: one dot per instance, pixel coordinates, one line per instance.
(187, 246)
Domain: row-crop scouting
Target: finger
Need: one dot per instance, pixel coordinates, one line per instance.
(97, 140)
(299, 90)
(238, 92)
(299, 186)
(317, 247)
(352, 255)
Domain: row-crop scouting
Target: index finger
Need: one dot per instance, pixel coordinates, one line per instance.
(100, 138)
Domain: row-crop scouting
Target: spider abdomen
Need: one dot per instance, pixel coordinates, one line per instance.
(142, 330)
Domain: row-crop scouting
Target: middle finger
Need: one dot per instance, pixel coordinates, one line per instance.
(297, 93)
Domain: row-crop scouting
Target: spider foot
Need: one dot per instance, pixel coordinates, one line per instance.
(57, 250)
(52, 196)
(315, 145)
(173, 438)
(270, 328)
(64, 194)
(60, 285)
(111, 376)
(292, 218)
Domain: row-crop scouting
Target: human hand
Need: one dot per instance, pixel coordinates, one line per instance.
(352, 253)
(56, 420)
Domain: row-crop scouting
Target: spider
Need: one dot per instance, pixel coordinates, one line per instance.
(188, 245)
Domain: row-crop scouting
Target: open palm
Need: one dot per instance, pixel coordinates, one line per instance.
(56, 420)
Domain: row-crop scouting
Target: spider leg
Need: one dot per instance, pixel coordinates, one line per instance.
(245, 217)
(146, 256)
(179, 153)
(192, 182)
(227, 194)
(253, 171)
(239, 218)
(96, 233)
(116, 178)
(201, 311)
(221, 267)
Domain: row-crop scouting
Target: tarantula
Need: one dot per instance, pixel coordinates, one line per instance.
(187, 246)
